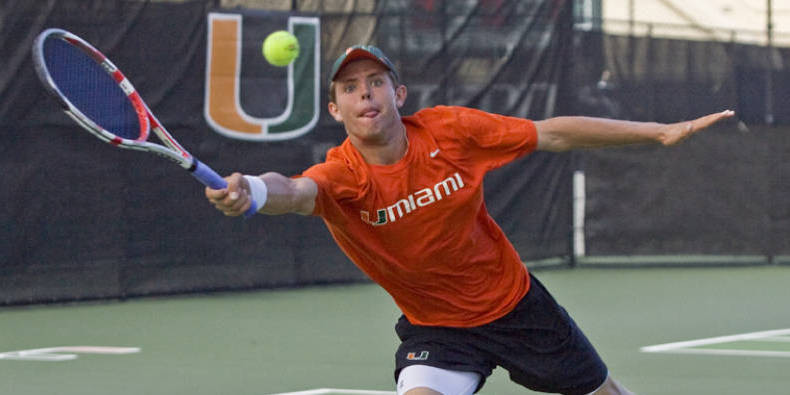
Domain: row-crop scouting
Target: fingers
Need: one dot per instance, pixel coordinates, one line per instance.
(215, 194)
(233, 200)
(708, 120)
(678, 132)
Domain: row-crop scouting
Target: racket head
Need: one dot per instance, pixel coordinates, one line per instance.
(96, 94)
(90, 88)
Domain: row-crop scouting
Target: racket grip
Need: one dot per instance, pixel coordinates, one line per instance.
(211, 179)
(208, 176)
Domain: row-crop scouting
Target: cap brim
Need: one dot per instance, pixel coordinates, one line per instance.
(357, 54)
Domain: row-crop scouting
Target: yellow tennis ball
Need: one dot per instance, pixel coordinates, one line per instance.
(280, 48)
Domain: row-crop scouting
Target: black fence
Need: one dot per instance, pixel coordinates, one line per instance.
(659, 79)
(720, 197)
(85, 221)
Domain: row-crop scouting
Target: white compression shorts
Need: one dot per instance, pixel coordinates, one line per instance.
(446, 382)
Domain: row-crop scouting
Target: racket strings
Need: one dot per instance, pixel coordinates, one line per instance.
(91, 89)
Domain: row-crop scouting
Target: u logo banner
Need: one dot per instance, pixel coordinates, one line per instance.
(248, 99)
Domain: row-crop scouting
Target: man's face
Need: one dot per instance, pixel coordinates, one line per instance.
(367, 103)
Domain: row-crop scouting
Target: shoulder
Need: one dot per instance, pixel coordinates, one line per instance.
(337, 166)
(440, 122)
(438, 114)
(339, 175)
(464, 123)
(462, 118)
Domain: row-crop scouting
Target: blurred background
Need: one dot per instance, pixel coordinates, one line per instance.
(82, 221)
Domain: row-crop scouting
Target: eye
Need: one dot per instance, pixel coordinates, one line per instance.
(377, 82)
(348, 88)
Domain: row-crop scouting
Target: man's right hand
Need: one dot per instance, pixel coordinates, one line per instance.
(233, 200)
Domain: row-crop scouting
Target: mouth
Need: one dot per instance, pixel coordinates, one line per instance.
(369, 113)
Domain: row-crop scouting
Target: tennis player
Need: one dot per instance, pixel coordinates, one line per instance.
(403, 198)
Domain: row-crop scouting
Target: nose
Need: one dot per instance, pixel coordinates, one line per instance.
(365, 92)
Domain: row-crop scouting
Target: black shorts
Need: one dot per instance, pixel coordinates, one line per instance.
(537, 343)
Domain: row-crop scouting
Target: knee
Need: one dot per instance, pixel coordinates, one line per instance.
(422, 391)
(611, 387)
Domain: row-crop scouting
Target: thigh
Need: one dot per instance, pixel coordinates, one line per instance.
(447, 382)
(542, 348)
(439, 347)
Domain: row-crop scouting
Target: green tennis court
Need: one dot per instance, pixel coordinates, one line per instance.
(312, 340)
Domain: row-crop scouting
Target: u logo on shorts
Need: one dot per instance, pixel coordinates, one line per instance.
(413, 356)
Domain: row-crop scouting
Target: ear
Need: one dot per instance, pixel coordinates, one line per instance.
(335, 112)
(400, 95)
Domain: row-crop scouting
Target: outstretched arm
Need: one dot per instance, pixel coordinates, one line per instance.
(567, 133)
(283, 195)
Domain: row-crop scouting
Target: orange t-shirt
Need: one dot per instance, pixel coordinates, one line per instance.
(419, 227)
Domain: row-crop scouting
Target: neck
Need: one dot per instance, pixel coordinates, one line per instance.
(385, 152)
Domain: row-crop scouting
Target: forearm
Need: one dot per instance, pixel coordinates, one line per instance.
(568, 133)
(288, 195)
(272, 193)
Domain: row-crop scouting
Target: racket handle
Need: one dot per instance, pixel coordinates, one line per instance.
(211, 179)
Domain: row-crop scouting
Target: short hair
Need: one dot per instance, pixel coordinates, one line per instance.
(333, 96)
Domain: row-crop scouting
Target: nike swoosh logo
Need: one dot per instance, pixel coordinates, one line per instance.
(434, 153)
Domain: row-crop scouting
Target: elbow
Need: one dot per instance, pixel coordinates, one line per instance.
(289, 195)
(550, 143)
(550, 137)
(301, 196)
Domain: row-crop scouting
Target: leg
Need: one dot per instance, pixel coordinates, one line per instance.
(422, 391)
(543, 349)
(441, 360)
(428, 380)
(611, 387)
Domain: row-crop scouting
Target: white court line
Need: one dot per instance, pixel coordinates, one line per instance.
(64, 353)
(717, 351)
(336, 391)
(775, 339)
(686, 347)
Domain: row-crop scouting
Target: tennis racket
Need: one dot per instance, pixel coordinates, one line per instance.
(98, 97)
